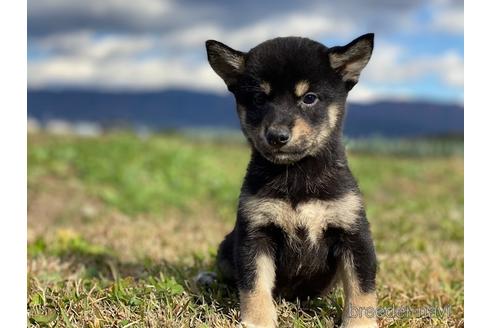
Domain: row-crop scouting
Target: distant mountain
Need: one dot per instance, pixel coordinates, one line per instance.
(176, 109)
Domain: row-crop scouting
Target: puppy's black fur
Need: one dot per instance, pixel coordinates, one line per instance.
(300, 224)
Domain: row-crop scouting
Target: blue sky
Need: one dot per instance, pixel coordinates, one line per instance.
(159, 44)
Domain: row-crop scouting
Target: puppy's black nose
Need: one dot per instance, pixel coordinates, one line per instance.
(278, 136)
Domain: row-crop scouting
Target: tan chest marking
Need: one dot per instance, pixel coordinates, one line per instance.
(314, 215)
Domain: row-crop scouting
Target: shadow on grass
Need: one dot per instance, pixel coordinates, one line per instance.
(129, 282)
(166, 278)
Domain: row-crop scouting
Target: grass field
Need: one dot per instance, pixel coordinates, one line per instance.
(118, 226)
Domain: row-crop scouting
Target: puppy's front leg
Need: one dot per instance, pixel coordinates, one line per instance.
(358, 268)
(256, 275)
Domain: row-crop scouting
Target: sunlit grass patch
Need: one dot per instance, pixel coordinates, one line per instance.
(148, 175)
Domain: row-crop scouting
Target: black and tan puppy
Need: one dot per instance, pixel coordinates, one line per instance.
(301, 224)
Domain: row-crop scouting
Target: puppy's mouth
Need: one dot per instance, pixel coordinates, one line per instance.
(288, 154)
(279, 156)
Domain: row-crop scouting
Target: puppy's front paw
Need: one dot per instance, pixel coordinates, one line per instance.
(265, 324)
(252, 325)
(267, 319)
(258, 311)
(366, 324)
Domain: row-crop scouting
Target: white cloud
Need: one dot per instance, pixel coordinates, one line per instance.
(176, 57)
(86, 44)
(246, 37)
(366, 93)
(126, 73)
(390, 63)
(82, 59)
(448, 19)
(451, 68)
(114, 61)
(143, 16)
(313, 26)
(363, 94)
(133, 8)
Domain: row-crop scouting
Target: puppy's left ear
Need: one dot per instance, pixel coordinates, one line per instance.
(225, 61)
(349, 60)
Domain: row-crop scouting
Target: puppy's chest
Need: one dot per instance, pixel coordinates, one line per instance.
(313, 216)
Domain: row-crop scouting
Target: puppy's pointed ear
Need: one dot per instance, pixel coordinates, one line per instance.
(226, 62)
(349, 60)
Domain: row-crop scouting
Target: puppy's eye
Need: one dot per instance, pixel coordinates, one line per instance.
(259, 98)
(310, 99)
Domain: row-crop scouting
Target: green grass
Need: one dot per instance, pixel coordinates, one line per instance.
(118, 227)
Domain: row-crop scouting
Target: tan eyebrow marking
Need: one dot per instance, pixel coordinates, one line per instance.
(265, 86)
(301, 88)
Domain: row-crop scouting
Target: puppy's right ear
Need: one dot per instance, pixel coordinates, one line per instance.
(226, 62)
